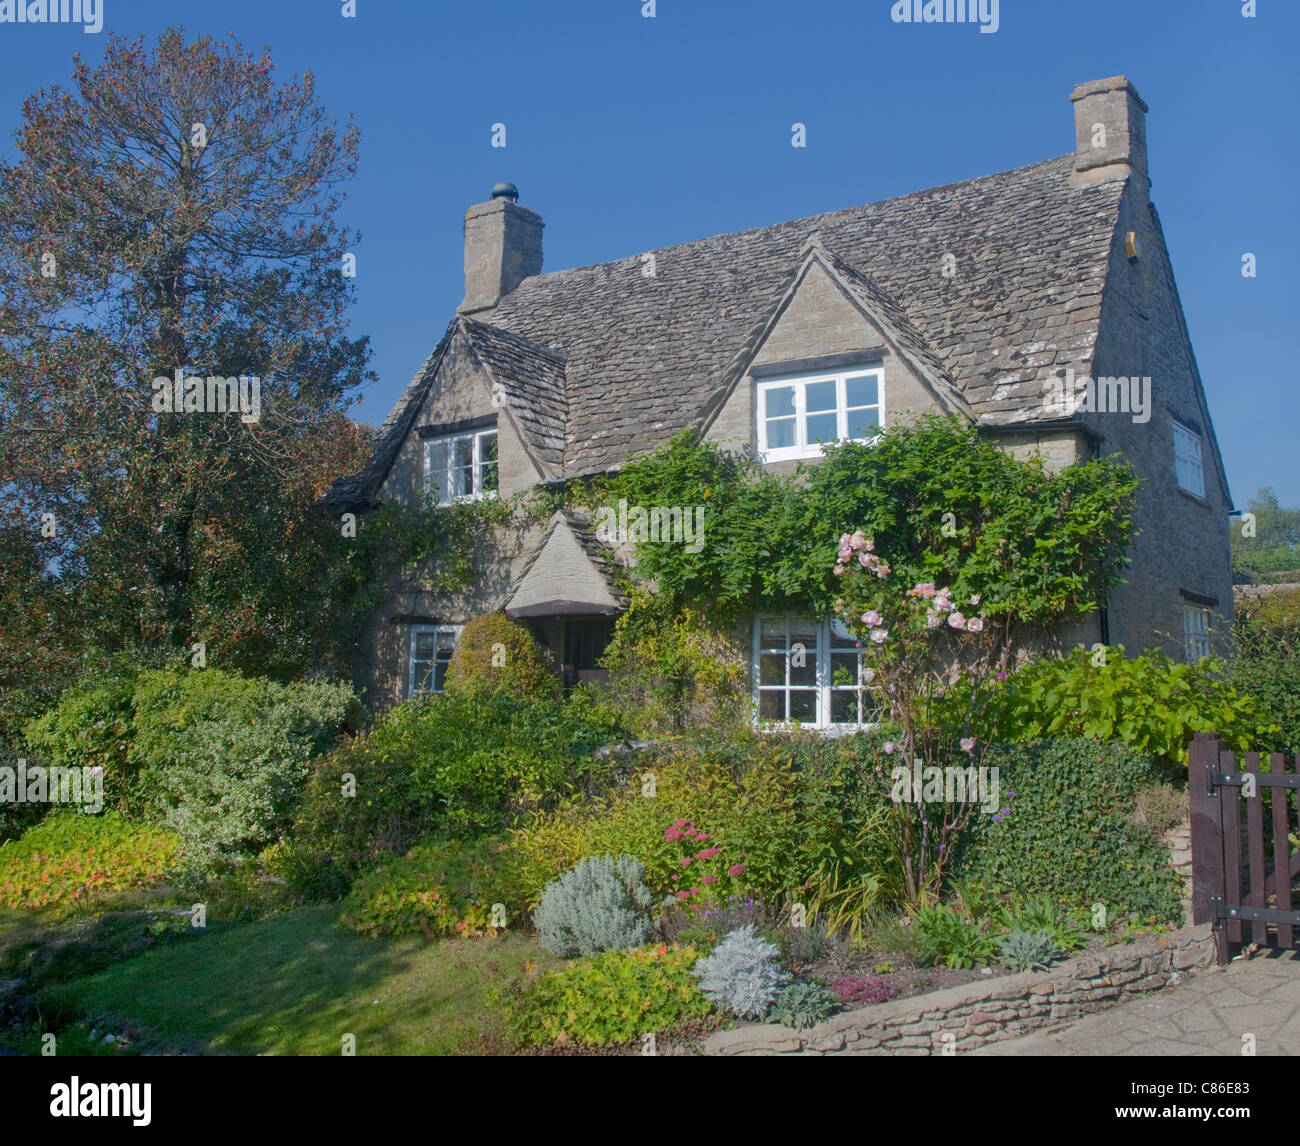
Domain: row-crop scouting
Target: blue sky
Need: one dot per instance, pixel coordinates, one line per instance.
(628, 133)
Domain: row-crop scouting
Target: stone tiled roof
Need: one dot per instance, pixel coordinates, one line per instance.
(643, 353)
(640, 357)
(531, 380)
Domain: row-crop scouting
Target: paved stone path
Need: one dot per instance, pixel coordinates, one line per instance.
(1206, 1015)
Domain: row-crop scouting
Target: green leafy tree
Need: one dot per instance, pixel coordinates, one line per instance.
(1267, 543)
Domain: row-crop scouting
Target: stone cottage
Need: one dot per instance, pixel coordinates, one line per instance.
(1038, 303)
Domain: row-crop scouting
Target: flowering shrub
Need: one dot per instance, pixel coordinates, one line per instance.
(71, 857)
(862, 990)
(607, 999)
(708, 874)
(917, 641)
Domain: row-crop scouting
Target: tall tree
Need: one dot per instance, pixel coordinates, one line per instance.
(1266, 546)
(174, 209)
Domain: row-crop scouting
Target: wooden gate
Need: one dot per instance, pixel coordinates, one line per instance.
(1244, 861)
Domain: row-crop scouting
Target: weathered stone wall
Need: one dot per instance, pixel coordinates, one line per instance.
(964, 1018)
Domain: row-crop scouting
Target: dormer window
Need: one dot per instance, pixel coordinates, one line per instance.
(461, 467)
(798, 416)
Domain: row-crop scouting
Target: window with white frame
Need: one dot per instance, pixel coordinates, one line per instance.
(797, 416)
(1196, 632)
(431, 649)
(461, 467)
(809, 673)
(1187, 459)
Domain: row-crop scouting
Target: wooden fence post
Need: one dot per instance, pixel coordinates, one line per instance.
(1207, 825)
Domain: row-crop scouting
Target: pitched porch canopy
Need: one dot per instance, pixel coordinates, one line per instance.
(565, 575)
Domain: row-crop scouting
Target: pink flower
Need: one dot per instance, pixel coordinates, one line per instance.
(859, 540)
(838, 570)
(880, 635)
(683, 895)
(845, 554)
(932, 619)
(868, 675)
(871, 617)
(888, 747)
(956, 620)
(736, 869)
(975, 599)
(923, 589)
(975, 625)
(709, 879)
(707, 854)
(967, 744)
(1002, 676)
(846, 540)
(882, 570)
(865, 559)
(686, 861)
(673, 834)
(700, 837)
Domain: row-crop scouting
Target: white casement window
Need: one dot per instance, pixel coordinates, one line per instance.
(461, 467)
(1196, 632)
(431, 649)
(808, 673)
(797, 416)
(1187, 459)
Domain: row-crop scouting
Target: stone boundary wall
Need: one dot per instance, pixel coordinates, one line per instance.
(990, 1010)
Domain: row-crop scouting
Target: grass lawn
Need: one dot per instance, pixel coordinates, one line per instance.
(295, 984)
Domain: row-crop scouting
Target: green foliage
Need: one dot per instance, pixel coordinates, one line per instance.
(442, 765)
(1149, 702)
(225, 757)
(90, 727)
(669, 670)
(496, 655)
(1066, 831)
(1275, 547)
(1062, 927)
(1266, 663)
(608, 999)
(804, 1004)
(1036, 544)
(600, 904)
(945, 936)
(71, 858)
(440, 888)
(1028, 950)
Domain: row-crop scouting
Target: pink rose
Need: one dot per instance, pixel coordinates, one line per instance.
(888, 747)
(880, 635)
(956, 620)
(871, 617)
(967, 744)
(975, 625)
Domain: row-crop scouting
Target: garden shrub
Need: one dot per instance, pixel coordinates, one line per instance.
(439, 888)
(742, 974)
(1150, 702)
(91, 727)
(1028, 950)
(445, 766)
(1266, 663)
(70, 858)
(944, 936)
(227, 756)
(496, 655)
(1065, 832)
(600, 904)
(607, 999)
(804, 1004)
(862, 990)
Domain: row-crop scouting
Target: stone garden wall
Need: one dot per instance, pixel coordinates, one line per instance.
(963, 1018)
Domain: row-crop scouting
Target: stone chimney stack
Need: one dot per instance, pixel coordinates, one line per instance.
(1110, 132)
(503, 246)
